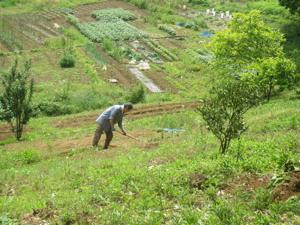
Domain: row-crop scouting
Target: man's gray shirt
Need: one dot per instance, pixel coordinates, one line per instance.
(114, 113)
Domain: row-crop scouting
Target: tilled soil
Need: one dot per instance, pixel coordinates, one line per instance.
(291, 187)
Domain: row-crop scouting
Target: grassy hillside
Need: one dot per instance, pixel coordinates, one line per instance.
(53, 176)
(158, 180)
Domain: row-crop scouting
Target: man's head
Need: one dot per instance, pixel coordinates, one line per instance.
(127, 107)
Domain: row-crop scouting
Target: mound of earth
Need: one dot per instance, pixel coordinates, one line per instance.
(291, 187)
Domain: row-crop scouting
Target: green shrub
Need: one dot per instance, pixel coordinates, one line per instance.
(67, 61)
(54, 109)
(137, 95)
(27, 157)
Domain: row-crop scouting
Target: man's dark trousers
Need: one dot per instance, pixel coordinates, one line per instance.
(99, 131)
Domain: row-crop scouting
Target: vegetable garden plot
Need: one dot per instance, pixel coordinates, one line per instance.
(116, 30)
(110, 14)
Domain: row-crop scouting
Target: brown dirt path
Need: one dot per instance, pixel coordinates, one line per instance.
(67, 147)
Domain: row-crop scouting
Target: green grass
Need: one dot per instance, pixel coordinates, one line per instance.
(54, 170)
(131, 185)
(21, 6)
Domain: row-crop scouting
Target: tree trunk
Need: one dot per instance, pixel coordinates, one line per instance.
(224, 145)
(19, 128)
(269, 91)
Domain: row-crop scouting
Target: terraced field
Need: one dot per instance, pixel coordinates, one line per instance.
(169, 168)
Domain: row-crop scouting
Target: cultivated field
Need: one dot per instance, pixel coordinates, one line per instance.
(169, 170)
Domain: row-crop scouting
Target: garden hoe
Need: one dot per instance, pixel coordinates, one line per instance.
(143, 143)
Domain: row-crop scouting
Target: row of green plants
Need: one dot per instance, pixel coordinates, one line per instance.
(169, 30)
(160, 50)
(113, 13)
(8, 37)
(91, 49)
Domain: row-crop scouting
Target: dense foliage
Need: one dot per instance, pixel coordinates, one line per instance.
(16, 97)
(137, 95)
(224, 110)
(251, 50)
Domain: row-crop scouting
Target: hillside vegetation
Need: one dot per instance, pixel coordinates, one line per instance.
(173, 170)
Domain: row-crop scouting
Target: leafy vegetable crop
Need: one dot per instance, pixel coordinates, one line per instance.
(116, 30)
(167, 29)
(111, 14)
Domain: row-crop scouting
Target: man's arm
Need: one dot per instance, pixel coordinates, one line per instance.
(120, 124)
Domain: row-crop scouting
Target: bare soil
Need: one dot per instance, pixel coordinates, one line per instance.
(5, 132)
(116, 70)
(291, 187)
(159, 78)
(248, 183)
(67, 147)
(39, 216)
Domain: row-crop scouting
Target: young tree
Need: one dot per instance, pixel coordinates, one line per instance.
(246, 40)
(16, 97)
(250, 47)
(223, 111)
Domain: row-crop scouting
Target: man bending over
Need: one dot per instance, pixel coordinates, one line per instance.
(107, 120)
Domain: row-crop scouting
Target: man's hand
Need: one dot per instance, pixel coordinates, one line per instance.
(113, 129)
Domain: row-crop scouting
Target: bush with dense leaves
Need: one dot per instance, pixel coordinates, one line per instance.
(137, 95)
(67, 61)
(54, 109)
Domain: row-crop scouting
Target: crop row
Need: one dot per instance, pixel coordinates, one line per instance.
(8, 37)
(161, 50)
(112, 14)
(167, 29)
(116, 30)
